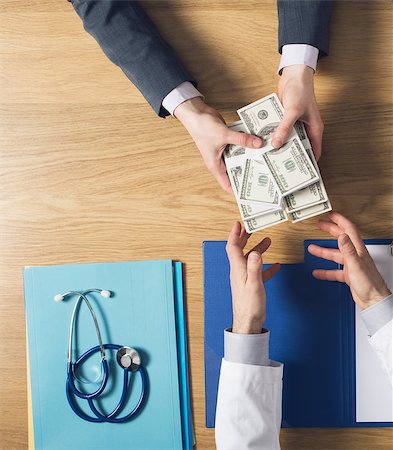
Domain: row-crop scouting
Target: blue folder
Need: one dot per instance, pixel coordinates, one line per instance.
(312, 333)
(146, 312)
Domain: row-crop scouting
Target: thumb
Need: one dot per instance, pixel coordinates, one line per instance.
(347, 249)
(254, 267)
(281, 135)
(243, 139)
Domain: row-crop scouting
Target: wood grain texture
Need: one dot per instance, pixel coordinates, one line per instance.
(89, 173)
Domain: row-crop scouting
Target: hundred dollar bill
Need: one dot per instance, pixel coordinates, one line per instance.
(234, 170)
(232, 150)
(257, 183)
(267, 220)
(263, 116)
(247, 209)
(290, 167)
(234, 160)
(312, 211)
(301, 131)
(306, 197)
(314, 194)
(307, 145)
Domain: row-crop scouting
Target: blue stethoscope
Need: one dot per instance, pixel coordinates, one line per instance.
(127, 358)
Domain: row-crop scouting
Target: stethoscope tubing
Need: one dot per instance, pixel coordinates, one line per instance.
(110, 417)
(71, 389)
(70, 380)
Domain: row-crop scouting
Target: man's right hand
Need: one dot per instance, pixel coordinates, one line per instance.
(359, 271)
(211, 135)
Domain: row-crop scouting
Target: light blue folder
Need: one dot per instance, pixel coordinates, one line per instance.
(144, 313)
(182, 351)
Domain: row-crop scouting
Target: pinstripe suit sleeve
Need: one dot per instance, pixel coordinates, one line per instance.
(304, 22)
(131, 41)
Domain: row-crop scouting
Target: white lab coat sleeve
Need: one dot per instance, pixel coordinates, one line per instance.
(248, 414)
(381, 342)
(379, 323)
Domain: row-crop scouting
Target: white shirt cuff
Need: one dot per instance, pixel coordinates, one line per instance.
(298, 54)
(378, 315)
(247, 348)
(179, 95)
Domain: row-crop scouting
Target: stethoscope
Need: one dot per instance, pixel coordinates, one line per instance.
(127, 358)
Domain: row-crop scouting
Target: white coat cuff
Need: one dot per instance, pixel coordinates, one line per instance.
(378, 315)
(239, 373)
(298, 54)
(185, 91)
(247, 348)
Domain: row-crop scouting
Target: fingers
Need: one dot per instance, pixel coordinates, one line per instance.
(329, 275)
(220, 174)
(234, 234)
(281, 135)
(270, 272)
(236, 242)
(243, 238)
(348, 249)
(349, 228)
(330, 254)
(237, 237)
(315, 133)
(254, 267)
(261, 247)
(243, 139)
(330, 228)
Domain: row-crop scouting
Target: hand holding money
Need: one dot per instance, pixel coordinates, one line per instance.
(269, 184)
(211, 135)
(296, 91)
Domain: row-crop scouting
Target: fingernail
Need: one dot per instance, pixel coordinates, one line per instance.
(277, 142)
(254, 256)
(257, 142)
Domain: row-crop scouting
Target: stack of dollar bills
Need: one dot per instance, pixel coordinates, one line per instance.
(271, 185)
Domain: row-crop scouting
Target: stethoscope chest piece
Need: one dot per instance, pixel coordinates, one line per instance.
(128, 358)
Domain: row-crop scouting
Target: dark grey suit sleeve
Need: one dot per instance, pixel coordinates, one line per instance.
(304, 22)
(130, 40)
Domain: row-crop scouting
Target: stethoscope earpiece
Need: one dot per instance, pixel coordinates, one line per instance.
(58, 298)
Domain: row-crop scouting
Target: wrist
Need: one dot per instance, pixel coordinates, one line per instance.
(190, 108)
(247, 326)
(375, 297)
(298, 71)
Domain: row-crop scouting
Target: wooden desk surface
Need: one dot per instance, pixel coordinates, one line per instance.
(89, 173)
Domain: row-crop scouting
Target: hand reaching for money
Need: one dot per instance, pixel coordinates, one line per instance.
(359, 271)
(211, 135)
(247, 281)
(296, 92)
